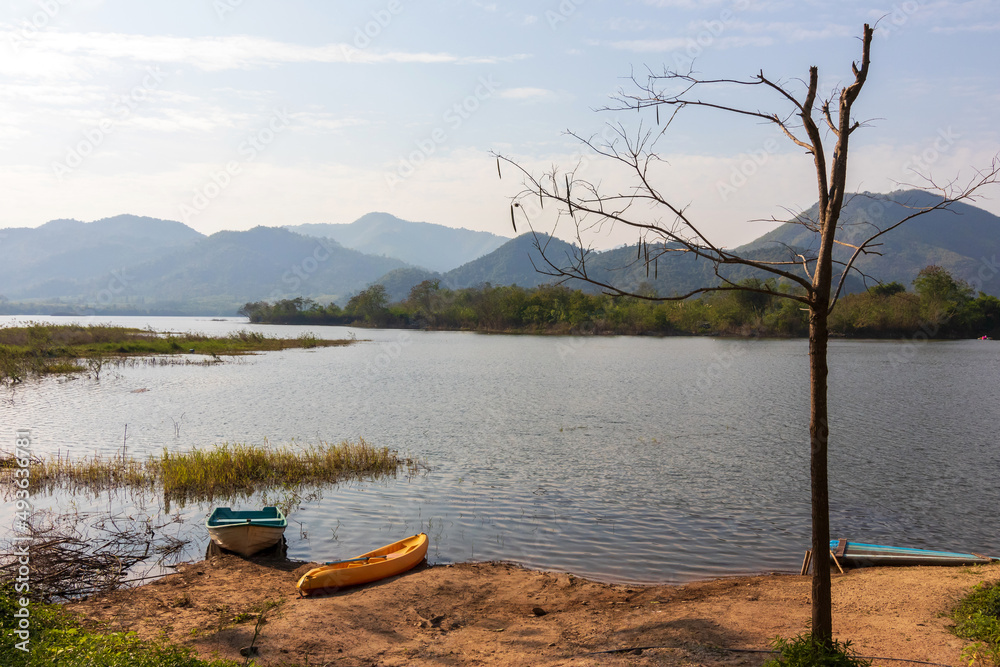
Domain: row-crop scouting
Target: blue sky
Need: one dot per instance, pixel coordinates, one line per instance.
(227, 114)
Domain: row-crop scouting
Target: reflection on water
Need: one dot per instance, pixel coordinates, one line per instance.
(631, 459)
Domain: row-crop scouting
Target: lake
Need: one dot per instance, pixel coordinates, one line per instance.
(633, 459)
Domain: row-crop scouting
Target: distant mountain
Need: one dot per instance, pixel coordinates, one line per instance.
(515, 263)
(261, 263)
(149, 265)
(421, 244)
(141, 263)
(510, 264)
(61, 256)
(964, 239)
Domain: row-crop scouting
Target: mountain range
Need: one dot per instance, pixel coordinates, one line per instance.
(145, 265)
(420, 244)
(963, 239)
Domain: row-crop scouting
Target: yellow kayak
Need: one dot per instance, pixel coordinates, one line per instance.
(387, 561)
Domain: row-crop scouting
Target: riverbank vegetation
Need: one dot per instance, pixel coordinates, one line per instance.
(37, 349)
(79, 553)
(227, 471)
(57, 638)
(939, 306)
(808, 651)
(977, 617)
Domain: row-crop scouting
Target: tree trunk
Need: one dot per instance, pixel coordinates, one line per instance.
(822, 620)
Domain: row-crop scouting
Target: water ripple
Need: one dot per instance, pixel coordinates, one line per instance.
(624, 459)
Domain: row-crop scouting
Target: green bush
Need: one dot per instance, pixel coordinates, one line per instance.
(308, 340)
(806, 651)
(977, 617)
(942, 307)
(57, 639)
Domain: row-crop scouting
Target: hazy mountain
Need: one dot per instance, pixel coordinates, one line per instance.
(510, 264)
(162, 265)
(264, 263)
(59, 257)
(965, 240)
(141, 263)
(422, 244)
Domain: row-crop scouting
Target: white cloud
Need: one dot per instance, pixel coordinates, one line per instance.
(185, 119)
(681, 43)
(734, 34)
(951, 30)
(793, 32)
(325, 122)
(62, 95)
(682, 4)
(54, 52)
(527, 94)
(485, 6)
(633, 25)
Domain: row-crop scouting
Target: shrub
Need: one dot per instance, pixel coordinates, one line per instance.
(57, 639)
(977, 617)
(806, 651)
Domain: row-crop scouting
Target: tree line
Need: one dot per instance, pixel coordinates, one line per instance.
(939, 305)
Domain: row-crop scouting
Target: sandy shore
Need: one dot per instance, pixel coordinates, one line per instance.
(501, 614)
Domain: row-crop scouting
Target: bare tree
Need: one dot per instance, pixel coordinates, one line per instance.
(805, 120)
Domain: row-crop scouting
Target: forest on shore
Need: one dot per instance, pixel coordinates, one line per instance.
(939, 306)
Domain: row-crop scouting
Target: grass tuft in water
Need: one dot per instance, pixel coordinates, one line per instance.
(242, 469)
(223, 471)
(94, 473)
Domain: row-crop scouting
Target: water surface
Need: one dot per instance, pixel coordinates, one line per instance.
(620, 458)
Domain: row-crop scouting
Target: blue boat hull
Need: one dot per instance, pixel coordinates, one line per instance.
(860, 554)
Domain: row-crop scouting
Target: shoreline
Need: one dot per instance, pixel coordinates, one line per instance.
(900, 336)
(586, 331)
(502, 613)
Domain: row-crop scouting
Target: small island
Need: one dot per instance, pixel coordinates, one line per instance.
(39, 349)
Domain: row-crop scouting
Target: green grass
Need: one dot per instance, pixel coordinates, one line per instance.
(222, 471)
(35, 349)
(96, 473)
(805, 651)
(64, 368)
(56, 638)
(977, 617)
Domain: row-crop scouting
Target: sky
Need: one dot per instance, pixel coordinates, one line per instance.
(229, 114)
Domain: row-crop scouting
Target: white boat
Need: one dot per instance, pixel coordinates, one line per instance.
(246, 532)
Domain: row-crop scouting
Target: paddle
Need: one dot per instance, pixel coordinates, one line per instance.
(352, 560)
(388, 556)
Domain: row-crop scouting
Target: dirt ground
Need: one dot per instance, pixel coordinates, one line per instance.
(501, 614)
